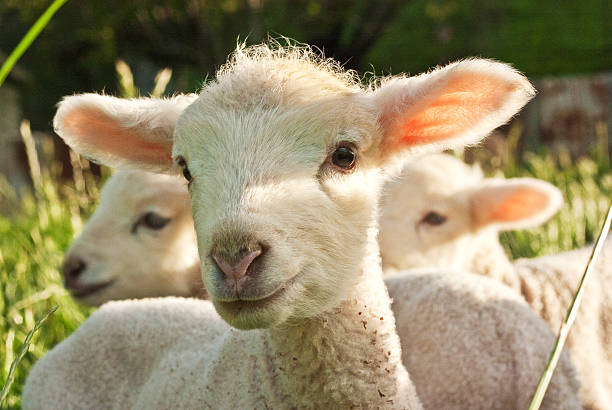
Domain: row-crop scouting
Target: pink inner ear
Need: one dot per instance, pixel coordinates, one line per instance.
(94, 129)
(462, 103)
(522, 203)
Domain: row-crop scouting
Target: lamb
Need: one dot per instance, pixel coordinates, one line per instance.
(138, 243)
(448, 215)
(285, 155)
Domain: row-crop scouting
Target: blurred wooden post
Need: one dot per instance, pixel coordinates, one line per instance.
(531, 119)
(567, 111)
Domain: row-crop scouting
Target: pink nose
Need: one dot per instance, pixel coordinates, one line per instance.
(239, 268)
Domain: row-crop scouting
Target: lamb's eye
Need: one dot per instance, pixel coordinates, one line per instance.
(150, 220)
(183, 164)
(433, 218)
(344, 157)
(153, 221)
(187, 174)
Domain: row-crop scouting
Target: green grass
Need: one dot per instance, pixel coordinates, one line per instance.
(40, 226)
(33, 237)
(36, 228)
(24, 349)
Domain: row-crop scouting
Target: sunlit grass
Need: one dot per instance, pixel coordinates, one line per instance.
(24, 349)
(34, 234)
(33, 238)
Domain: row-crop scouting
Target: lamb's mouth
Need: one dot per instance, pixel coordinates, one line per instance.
(239, 305)
(88, 290)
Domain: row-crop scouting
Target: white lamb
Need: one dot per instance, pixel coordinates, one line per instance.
(441, 212)
(284, 154)
(138, 243)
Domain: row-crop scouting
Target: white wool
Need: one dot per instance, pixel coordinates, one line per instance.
(467, 241)
(478, 347)
(258, 145)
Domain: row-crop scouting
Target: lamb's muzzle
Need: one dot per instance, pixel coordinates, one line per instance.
(239, 269)
(71, 270)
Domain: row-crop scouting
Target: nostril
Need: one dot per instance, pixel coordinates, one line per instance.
(72, 268)
(238, 266)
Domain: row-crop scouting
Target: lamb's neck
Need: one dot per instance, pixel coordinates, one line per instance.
(491, 260)
(347, 357)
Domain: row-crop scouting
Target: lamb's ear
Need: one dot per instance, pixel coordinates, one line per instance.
(516, 203)
(123, 133)
(450, 107)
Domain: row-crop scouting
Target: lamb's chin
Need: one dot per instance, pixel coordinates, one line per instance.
(262, 313)
(245, 316)
(90, 294)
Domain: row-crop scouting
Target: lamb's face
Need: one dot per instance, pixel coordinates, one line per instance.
(286, 196)
(139, 243)
(442, 212)
(426, 215)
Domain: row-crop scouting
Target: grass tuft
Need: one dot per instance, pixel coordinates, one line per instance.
(36, 228)
(24, 349)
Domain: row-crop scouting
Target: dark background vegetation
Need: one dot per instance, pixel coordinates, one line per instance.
(77, 51)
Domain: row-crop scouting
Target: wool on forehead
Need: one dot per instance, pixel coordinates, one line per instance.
(442, 171)
(271, 74)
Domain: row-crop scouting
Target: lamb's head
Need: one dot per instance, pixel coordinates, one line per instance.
(140, 242)
(285, 153)
(442, 212)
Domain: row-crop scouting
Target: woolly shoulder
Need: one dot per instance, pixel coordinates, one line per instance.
(459, 325)
(116, 349)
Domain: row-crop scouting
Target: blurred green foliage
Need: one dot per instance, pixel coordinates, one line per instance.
(538, 37)
(33, 240)
(78, 49)
(32, 243)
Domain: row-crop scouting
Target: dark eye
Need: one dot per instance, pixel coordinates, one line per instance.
(434, 218)
(151, 220)
(344, 157)
(181, 162)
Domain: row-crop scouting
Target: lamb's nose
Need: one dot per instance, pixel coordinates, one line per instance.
(236, 268)
(72, 268)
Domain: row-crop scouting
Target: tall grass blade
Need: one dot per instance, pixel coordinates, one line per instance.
(161, 82)
(33, 162)
(29, 38)
(571, 317)
(22, 352)
(126, 80)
